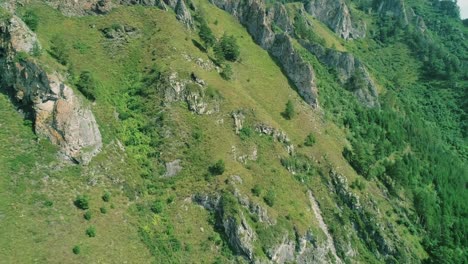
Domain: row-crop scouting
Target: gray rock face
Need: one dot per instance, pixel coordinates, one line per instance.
(351, 72)
(259, 22)
(173, 168)
(81, 8)
(58, 113)
(336, 15)
(183, 14)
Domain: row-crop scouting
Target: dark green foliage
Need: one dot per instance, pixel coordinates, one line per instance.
(358, 184)
(103, 210)
(37, 51)
(257, 190)
(227, 72)
(87, 215)
(21, 56)
(82, 202)
(246, 132)
(157, 207)
(87, 85)
(106, 197)
(206, 35)
(227, 49)
(310, 140)
(76, 250)
(217, 168)
(31, 19)
(59, 49)
(270, 197)
(91, 231)
(289, 111)
(48, 203)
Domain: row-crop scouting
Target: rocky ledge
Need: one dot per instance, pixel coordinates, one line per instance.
(58, 113)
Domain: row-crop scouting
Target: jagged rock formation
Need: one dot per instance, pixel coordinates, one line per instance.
(58, 113)
(81, 8)
(336, 15)
(350, 70)
(259, 21)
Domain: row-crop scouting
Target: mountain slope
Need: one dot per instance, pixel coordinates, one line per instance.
(207, 169)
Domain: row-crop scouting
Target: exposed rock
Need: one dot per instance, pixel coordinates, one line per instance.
(240, 235)
(259, 22)
(193, 93)
(183, 14)
(238, 120)
(277, 135)
(350, 71)
(318, 215)
(82, 7)
(336, 15)
(173, 168)
(58, 113)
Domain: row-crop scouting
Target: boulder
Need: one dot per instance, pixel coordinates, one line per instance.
(58, 113)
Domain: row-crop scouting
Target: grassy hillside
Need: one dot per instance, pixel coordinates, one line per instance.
(152, 218)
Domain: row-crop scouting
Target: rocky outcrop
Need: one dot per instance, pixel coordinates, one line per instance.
(58, 113)
(183, 14)
(259, 22)
(336, 15)
(81, 8)
(350, 71)
(191, 91)
(277, 135)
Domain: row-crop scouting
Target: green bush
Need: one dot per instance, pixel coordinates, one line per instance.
(21, 56)
(157, 207)
(106, 197)
(227, 72)
(310, 140)
(87, 85)
(48, 203)
(245, 133)
(227, 49)
(257, 190)
(270, 197)
(59, 49)
(103, 210)
(87, 215)
(217, 168)
(206, 35)
(289, 111)
(82, 202)
(76, 250)
(31, 20)
(37, 51)
(91, 231)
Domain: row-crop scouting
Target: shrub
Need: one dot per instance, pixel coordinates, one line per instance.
(217, 168)
(289, 111)
(82, 202)
(21, 56)
(48, 203)
(206, 35)
(91, 231)
(245, 133)
(103, 210)
(106, 197)
(76, 250)
(157, 207)
(227, 72)
(36, 51)
(227, 48)
(59, 49)
(310, 140)
(87, 85)
(87, 215)
(257, 190)
(270, 197)
(31, 20)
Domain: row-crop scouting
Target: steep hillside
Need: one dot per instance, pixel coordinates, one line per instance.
(231, 131)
